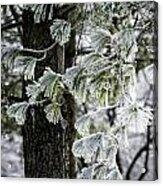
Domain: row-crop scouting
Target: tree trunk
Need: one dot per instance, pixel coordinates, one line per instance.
(47, 146)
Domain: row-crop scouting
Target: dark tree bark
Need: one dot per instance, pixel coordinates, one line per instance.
(42, 142)
(47, 146)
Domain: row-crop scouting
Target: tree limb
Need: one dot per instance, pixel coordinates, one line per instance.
(134, 161)
(145, 148)
(5, 27)
(147, 155)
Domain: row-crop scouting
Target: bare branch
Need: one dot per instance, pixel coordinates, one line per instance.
(147, 155)
(5, 27)
(39, 51)
(145, 148)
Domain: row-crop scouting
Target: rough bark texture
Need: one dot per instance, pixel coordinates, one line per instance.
(47, 146)
(42, 142)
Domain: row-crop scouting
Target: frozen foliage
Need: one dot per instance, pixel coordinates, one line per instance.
(69, 76)
(109, 79)
(101, 148)
(100, 38)
(134, 114)
(33, 91)
(53, 112)
(95, 121)
(52, 86)
(60, 31)
(114, 77)
(100, 171)
(126, 45)
(97, 147)
(18, 111)
(25, 65)
(49, 81)
(137, 108)
(106, 172)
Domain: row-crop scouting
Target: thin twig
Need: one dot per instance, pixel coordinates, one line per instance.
(147, 155)
(39, 51)
(134, 161)
(145, 148)
(42, 58)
